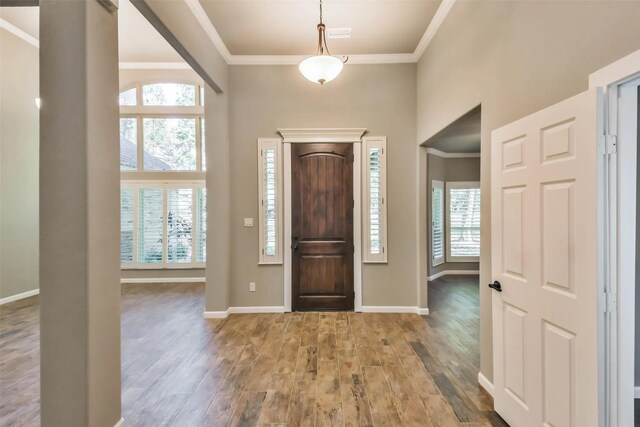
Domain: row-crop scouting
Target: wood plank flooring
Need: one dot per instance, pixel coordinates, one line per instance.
(295, 369)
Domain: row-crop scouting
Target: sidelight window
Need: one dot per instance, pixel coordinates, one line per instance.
(463, 221)
(269, 187)
(375, 209)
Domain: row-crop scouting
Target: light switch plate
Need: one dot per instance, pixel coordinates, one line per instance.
(248, 222)
(252, 287)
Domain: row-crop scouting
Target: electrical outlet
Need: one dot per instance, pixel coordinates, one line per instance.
(252, 287)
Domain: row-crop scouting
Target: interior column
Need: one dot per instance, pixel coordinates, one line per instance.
(79, 214)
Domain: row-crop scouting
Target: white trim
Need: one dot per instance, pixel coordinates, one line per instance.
(287, 227)
(636, 393)
(120, 423)
(390, 58)
(18, 297)
(439, 153)
(163, 280)
(154, 66)
(216, 314)
(207, 26)
(395, 309)
(357, 227)
(485, 383)
(19, 33)
(243, 310)
(256, 309)
(616, 72)
(434, 25)
(319, 135)
(454, 272)
(305, 136)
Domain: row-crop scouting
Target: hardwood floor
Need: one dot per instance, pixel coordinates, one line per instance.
(292, 369)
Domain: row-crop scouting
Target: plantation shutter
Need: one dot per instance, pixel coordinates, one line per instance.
(464, 222)
(126, 225)
(179, 225)
(201, 225)
(437, 223)
(150, 225)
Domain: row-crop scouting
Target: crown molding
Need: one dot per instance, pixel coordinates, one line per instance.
(399, 58)
(327, 135)
(434, 25)
(439, 153)
(154, 66)
(19, 33)
(391, 58)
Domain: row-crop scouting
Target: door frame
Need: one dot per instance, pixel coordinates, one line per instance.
(334, 136)
(618, 264)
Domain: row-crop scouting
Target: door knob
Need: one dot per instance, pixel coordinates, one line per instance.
(294, 243)
(496, 286)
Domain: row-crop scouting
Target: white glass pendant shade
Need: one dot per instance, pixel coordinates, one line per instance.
(321, 68)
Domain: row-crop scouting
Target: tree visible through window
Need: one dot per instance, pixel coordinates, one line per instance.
(163, 214)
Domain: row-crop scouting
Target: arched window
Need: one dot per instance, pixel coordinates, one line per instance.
(162, 163)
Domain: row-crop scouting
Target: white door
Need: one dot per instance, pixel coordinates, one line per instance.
(544, 254)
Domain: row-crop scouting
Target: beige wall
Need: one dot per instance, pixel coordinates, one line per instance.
(449, 170)
(19, 144)
(515, 58)
(378, 97)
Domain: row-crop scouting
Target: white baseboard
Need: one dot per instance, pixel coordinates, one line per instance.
(394, 309)
(636, 393)
(485, 383)
(451, 272)
(163, 280)
(18, 297)
(245, 310)
(119, 423)
(216, 314)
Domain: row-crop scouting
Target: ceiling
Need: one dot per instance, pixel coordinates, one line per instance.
(139, 41)
(461, 136)
(288, 27)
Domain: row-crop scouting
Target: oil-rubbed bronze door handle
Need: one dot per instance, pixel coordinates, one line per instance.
(496, 286)
(294, 243)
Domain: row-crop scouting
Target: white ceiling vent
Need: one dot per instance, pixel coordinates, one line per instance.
(339, 33)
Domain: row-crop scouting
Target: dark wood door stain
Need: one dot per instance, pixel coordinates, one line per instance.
(322, 226)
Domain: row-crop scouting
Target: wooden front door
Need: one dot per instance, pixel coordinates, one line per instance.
(322, 226)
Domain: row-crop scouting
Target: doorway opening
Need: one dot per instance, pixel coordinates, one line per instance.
(453, 226)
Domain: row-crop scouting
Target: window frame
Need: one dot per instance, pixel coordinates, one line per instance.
(136, 186)
(368, 143)
(438, 185)
(266, 144)
(141, 178)
(449, 186)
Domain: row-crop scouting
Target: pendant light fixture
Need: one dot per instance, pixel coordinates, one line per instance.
(323, 67)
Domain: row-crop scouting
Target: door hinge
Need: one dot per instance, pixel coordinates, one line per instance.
(609, 144)
(610, 302)
(353, 249)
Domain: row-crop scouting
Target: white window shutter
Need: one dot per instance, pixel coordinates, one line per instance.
(270, 200)
(179, 225)
(437, 222)
(375, 203)
(463, 225)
